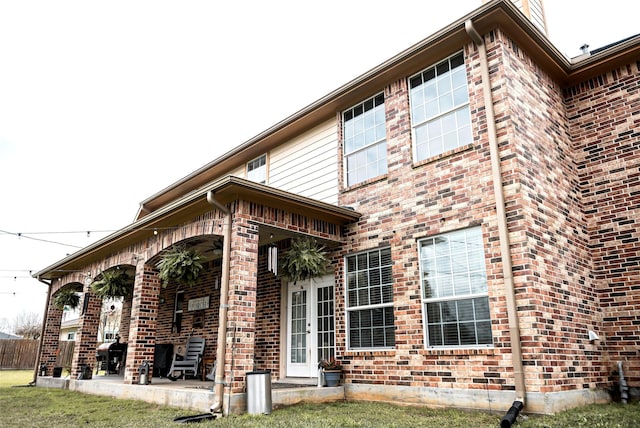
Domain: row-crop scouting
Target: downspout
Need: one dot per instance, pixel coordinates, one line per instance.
(42, 330)
(503, 232)
(216, 407)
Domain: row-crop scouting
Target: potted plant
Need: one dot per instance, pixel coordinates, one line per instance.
(305, 259)
(112, 283)
(66, 297)
(332, 370)
(180, 264)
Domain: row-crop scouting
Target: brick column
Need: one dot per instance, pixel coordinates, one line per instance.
(144, 318)
(242, 300)
(84, 351)
(51, 342)
(125, 319)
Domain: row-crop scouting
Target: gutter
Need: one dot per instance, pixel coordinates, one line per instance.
(503, 232)
(216, 407)
(42, 331)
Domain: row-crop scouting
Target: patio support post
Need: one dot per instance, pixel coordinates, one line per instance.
(84, 351)
(144, 319)
(42, 330)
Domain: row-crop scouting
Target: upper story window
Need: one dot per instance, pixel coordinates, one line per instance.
(370, 320)
(257, 169)
(365, 146)
(454, 289)
(440, 114)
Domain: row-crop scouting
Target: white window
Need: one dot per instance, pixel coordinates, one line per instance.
(71, 335)
(257, 170)
(365, 145)
(370, 300)
(454, 289)
(440, 114)
(177, 312)
(326, 323)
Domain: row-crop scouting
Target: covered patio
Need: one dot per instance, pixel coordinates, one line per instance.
(239, 300)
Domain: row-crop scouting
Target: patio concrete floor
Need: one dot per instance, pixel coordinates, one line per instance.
(193, 393)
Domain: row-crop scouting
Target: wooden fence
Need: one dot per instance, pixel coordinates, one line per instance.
(18, 353)
(22, 353)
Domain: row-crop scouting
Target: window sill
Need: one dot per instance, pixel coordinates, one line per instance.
(364, 183)
(384, 352)
(459, 351)
(443, 155)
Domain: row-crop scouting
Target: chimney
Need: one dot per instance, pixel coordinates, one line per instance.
(532, 9)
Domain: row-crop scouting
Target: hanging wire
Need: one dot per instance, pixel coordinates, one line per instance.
(22, 235)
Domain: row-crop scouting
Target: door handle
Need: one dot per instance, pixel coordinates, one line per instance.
(308, 331)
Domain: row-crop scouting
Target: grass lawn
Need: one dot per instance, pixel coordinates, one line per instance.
(40, 407)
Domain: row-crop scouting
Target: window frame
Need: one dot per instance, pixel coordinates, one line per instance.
(262, 166)
(376, 143)
(455, 298)
(441, 115)
(350, 310)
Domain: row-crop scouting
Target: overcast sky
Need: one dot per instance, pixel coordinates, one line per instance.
(103, 104)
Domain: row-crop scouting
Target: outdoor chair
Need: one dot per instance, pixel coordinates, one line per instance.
(191, 359)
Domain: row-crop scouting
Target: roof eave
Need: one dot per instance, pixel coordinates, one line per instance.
(226, 189)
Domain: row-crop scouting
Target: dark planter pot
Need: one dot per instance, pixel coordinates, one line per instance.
(57, 371)
(85, 372)
(332, 377)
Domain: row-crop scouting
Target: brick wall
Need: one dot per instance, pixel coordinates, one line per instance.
(556, 299)
(268, 322)
(208, 285)
(557, 303)
(604, 123)
(413, 201)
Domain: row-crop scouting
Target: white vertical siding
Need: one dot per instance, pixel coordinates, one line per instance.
(308, 164)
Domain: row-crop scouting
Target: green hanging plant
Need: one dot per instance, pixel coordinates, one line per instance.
(180, 264)
(304, 260)
(113, 283)
(66, 297)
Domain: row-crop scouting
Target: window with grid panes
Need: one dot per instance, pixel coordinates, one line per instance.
(365, 144)
(326, 323)
(257, 170)
(369, 288)
(454, 289)
(440, 114)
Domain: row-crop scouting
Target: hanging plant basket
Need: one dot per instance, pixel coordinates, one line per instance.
(113, 283)
(180, 264)
(304, 260)
(66, 297)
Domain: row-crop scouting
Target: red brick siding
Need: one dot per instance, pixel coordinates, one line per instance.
(604, 123)
(268, 307)
(208, 285)
(556, 299)
(549, 240)
(413, 201)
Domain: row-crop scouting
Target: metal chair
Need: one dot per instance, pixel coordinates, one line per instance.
(192, 358)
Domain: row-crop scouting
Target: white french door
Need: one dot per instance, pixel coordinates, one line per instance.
(310, 325)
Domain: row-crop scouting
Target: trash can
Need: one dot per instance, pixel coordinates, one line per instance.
(144, 373)
(259, 392)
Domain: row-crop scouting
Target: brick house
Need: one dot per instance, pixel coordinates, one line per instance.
(478, 195)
